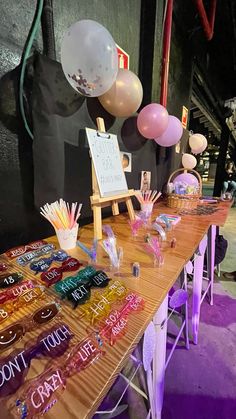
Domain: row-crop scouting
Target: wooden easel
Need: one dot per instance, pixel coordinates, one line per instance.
(97, 202)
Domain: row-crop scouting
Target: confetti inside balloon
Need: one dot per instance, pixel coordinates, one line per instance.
(89, 58)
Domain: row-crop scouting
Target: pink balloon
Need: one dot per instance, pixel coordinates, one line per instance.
(152, 120)
(187, 178)
(172, 134)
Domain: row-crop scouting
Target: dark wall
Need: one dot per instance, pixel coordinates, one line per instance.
(20, 222)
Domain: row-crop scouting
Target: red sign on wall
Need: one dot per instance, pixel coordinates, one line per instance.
(184, 117)
(123, 58)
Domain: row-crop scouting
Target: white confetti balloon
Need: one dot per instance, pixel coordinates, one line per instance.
(89, 58)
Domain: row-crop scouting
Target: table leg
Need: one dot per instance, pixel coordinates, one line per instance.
(211, 237)
(159, 358)
(197, 291)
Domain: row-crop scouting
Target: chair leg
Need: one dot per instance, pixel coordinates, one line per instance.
(211, 236)
(184, 308)
(159, 358)
(197, 289)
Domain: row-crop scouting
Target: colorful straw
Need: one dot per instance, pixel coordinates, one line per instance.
(147, 196)
(60, 215)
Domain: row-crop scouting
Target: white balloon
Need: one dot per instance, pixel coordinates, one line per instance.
(199, 151)
(89, 58)
(189, 161)
(198, 143)
(204, 145)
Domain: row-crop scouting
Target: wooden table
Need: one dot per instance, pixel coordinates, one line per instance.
(86, 390)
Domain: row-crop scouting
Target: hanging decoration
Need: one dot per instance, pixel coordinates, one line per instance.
(172, 133)
(125, 95)
(189, 161)
(89, 58)
(198, 143)
(152, 120)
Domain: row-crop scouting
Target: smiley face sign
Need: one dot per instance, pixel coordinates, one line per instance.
(46, 313)
(10, 335)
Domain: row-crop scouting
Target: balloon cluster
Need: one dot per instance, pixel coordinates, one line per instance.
(90, 63)
(198, 144)
(154, 122)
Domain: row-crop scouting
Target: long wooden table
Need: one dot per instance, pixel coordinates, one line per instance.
(85, 391)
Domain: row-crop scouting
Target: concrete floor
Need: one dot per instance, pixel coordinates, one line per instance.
(229, 263)
(201, 383)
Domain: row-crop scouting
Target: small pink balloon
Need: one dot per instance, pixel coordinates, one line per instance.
(152, 120)
(187, 178)
(172, 134)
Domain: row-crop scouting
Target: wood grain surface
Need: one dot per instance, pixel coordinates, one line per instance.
(86, 390)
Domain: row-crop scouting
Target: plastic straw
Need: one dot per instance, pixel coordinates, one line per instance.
(60, 215)
(147, 196)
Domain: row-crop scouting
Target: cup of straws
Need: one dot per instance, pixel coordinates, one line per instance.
(63, 218)
(147, 199)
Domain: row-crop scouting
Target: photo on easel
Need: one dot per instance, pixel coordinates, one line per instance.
(126, 160)
(145, 184)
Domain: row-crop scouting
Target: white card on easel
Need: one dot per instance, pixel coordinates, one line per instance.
(105, 153)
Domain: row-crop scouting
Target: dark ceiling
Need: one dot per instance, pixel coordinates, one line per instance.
(222, 49)
(216, 58)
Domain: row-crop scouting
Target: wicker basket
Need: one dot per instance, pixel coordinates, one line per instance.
(184, 201)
